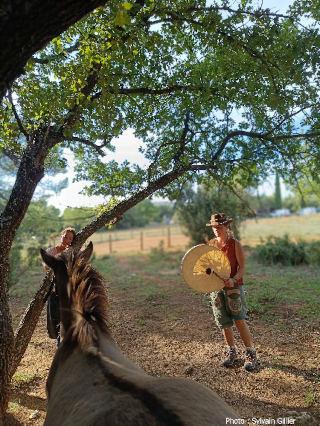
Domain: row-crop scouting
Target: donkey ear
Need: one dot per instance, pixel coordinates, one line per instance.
(49, 260)
(87, 252)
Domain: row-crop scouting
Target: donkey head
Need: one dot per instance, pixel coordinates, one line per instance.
(62, 266)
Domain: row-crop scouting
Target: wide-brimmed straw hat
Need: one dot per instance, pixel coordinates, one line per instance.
(219, 219)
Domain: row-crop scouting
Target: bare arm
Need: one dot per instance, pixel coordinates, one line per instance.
(240, 259)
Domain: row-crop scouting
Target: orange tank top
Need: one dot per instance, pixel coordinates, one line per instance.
(230, 250)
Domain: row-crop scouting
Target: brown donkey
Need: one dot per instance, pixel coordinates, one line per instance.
(92, 383)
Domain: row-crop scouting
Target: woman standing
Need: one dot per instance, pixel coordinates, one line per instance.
(229, 304)
(53, 309)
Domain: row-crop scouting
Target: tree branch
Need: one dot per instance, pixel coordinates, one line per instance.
(51, 58)
(20, 125)
(152, 91)
(22, 33)
(89, 143)
(179, 153)
(262, 136)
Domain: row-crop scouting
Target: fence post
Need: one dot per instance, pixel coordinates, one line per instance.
(110, 243)
(169, 238)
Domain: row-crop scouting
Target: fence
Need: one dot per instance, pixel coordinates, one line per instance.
(141, 239)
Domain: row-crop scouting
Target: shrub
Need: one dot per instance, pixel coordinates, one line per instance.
(15, 264)
(194, 210)
(280, 250)
(31, 251)
(313, 253)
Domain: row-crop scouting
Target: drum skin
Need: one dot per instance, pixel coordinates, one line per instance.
(204, 267)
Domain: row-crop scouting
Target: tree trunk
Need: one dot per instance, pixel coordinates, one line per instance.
(30, 172)
(6, 341)
(28, 324)
(27, 26)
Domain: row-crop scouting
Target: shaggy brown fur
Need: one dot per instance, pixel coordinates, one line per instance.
(87, 291)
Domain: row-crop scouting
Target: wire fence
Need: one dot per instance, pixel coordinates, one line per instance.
(143, 239)
(129, 234)
(136, 239)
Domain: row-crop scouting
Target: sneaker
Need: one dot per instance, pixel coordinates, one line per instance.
(231, 357)
(251, 359)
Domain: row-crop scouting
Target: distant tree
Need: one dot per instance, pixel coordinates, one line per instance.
(292, 202)
(142, 214)
(195, 210)
(277, 196)
(306, 191)
(147, 210)
(40, 222)
(259, 201)
(131, 219)
(77, 217)
(164, 212)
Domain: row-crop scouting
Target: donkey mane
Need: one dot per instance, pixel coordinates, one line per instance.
(88, 297)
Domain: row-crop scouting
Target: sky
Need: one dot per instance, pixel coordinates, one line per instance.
(127, 149)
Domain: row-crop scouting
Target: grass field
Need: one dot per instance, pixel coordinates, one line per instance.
(297, 227)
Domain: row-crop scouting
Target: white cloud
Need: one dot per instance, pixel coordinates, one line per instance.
(127, 148)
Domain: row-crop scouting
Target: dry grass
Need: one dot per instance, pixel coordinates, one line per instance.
(297, 227)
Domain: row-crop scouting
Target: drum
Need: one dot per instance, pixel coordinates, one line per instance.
(205, 267)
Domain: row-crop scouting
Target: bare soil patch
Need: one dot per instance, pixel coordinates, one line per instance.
(170, 332)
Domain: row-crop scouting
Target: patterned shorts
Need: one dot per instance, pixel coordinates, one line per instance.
(228, 305)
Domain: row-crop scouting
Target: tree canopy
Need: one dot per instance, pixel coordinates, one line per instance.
(206, 88)
(221, 89)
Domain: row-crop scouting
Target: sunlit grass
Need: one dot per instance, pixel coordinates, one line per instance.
(20, 379)
(296, 227)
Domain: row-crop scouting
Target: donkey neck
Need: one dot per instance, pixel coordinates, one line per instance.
(110, 350)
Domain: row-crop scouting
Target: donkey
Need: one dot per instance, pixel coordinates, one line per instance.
(91, 383)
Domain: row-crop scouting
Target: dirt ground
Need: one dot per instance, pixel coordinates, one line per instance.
(171, 332)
